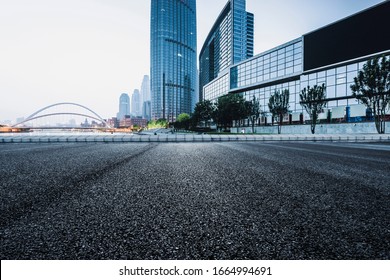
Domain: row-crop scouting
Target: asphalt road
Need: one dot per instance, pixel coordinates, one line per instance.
(195, 201)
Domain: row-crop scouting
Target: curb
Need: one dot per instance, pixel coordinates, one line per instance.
(190, 138)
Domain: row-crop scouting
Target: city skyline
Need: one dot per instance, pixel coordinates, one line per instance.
(56, 51)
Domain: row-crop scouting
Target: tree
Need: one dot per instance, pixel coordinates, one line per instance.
(222, 114)
(183, 117)
(160, 123)
(245, 110)
(254, 112)
(230, 107)
(278, 105)
(313, 100)
(372, 88)
(203, 112)
(183, 121)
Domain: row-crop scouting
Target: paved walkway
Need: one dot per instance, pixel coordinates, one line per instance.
(126, 138)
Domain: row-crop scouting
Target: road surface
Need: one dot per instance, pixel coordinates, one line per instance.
(144, 201)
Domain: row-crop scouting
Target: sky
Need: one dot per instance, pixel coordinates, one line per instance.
(91, 51)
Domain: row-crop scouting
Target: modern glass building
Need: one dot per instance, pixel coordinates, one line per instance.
(136, 109)
(332, 55)
(173, 58)
(124, 106)
(145, 97)
(229, 42)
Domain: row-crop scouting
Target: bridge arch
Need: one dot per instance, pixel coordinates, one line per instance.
(35, 115)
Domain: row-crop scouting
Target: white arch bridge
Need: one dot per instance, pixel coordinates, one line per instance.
(43, 113)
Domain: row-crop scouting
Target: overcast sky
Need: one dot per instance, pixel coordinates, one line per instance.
(91, 51)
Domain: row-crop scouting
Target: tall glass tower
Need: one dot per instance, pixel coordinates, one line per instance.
(229, 42)
(173, 58)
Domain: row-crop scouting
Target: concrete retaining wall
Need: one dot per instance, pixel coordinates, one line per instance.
(180, 138)
(343, 128)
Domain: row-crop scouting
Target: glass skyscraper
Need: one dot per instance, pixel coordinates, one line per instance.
(136, 109)
(145, 97)
(124, 106)
(173, 58)
(230, 41)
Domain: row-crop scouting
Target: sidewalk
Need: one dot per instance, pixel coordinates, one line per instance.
(168, 138)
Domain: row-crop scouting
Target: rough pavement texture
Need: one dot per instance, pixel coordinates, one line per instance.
(195, 201)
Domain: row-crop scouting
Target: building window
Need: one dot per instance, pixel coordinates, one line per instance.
(233, 77)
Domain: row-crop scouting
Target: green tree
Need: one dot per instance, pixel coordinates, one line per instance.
(203, 112)
(221, 114)
(278, 106)
(160, 123)
(230, 107)
(183, 121)
(245, 111)
(183, 117)
(313, 100)
(255, 112)
(372, 88)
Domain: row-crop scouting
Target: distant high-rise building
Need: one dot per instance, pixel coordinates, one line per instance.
(173, 58)
(146, 109)
(145, 96)
(124, 106)
(230, 41)
(145, 88)
(135, 103)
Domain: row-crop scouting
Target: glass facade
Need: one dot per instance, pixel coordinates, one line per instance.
(229, 41)
(263, 94)
(283, 61)
(277, 69)
(173, 58)
(242, 29)
(282, 68)
(217, 88)
(338, 81)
